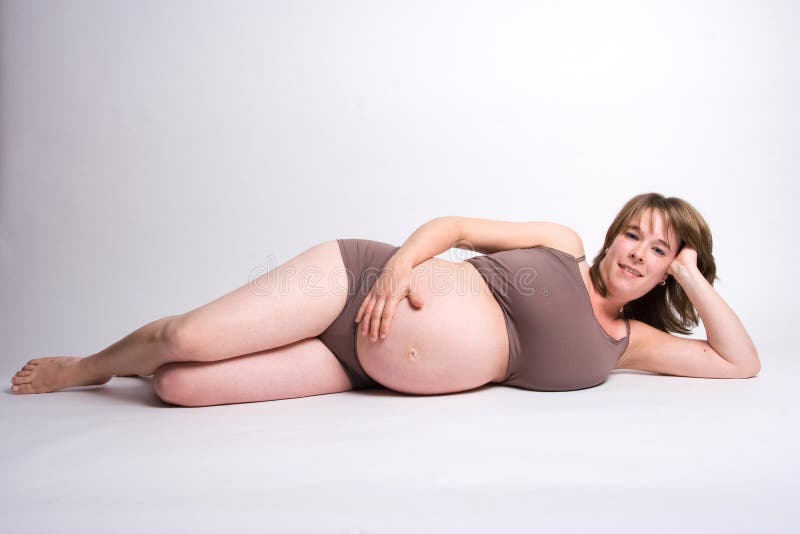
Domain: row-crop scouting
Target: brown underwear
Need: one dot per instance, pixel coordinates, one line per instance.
(363, 261)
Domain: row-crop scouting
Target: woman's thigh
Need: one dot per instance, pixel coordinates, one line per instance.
(301, 369)
(296, 300)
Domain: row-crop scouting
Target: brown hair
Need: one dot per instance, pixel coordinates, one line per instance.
(666, 307)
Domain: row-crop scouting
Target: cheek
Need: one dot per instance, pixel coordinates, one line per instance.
(661, 270)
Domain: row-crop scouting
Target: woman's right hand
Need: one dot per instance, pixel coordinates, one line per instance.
(392, 285)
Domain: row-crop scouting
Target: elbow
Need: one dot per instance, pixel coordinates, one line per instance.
(753, 369)
(446, 220)
(455, 225)
(751, 373)
(757, 360)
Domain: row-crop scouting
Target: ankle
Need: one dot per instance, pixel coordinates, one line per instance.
(88, 366)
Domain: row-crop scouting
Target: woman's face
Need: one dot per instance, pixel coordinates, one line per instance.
(645, 248)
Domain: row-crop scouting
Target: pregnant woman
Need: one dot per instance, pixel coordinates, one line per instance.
(529, 313)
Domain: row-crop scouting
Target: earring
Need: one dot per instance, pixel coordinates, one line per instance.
(662, 283)
(606, 252)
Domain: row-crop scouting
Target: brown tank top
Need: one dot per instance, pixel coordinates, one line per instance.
(555, 341)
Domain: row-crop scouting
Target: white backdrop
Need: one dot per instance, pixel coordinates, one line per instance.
(153, 154)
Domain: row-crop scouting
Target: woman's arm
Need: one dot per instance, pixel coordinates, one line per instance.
(725, 332)
(485, 236)
(429, 240)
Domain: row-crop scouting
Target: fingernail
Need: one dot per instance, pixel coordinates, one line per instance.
(383, 336)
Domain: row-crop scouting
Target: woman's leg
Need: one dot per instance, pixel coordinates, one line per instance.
(296, 300)
(300, 369)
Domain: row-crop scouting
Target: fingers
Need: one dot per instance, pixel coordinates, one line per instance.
(375, 320)
(386, 317)
(367, 306)
(361, 308)
(375, 313)
(371, 311)
(375, 316)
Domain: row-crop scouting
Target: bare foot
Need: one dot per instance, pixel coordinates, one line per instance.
(43, 375)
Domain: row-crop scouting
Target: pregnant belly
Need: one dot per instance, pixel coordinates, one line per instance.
(456, 342)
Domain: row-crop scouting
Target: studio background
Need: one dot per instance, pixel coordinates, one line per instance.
(153, 154)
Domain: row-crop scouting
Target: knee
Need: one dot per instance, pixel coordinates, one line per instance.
(171, 385)
(175, 334)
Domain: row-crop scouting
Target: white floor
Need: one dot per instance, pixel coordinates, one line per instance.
(640, 453)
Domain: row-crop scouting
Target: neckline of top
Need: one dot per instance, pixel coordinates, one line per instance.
(576, 261)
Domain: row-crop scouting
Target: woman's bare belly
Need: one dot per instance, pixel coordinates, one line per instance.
(456, 342)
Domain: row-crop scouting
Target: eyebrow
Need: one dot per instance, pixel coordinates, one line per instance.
(666, 245)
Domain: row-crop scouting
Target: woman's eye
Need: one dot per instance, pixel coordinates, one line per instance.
(633, 236)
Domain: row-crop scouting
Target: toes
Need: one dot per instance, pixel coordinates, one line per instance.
(22, 389)
(21, 380)
(29, 368)
(34, 361)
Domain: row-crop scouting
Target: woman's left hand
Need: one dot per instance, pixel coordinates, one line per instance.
(685, 260)
(393, 285)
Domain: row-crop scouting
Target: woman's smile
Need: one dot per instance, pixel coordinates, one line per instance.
(624, 269)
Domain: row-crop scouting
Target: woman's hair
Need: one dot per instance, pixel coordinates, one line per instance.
(666, 307)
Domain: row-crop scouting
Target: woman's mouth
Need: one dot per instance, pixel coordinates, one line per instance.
(629, 271)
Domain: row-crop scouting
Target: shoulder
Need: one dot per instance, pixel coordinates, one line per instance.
(568, 241)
